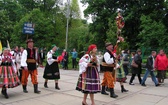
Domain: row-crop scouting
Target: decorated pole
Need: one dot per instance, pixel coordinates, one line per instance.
(117, 49)
(119, 22)
(120, 25)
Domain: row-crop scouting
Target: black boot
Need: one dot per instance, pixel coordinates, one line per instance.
(25, 88)
(112, 94)
(36, 89)
(123, 89)
(56, 86)
(4, 92)
(45, 85)
(103, 91)
(107, 89)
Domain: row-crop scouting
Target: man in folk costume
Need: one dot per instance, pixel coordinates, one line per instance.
(108, 65)
(28, 63)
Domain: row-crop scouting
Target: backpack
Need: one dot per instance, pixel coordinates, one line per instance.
(125, 57)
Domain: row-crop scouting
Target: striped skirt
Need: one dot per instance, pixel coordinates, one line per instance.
(8, 77)
(120, 75)
(89, 81)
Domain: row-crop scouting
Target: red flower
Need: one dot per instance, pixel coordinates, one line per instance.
(86, 57)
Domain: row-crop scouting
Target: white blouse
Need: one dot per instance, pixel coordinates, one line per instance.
(50, 60)
(107, 58)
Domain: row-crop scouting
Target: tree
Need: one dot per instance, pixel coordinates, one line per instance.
(103, 10)
(5, 26)
(152, 34)
(43, 29)
(13, 9)
(29, 5)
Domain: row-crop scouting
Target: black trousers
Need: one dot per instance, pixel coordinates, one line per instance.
(73, 62)
(133, 77)
(20, 74)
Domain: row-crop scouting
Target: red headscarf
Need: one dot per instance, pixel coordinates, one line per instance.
(91, 47)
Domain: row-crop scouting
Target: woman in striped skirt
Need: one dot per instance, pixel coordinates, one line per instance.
(8, 75)
(120, 74)
(89, 80)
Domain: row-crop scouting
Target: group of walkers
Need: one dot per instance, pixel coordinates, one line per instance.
(11, 62)
(16, 66)
(154, 62)
(89, 79)
(14, 70)
(115, 68)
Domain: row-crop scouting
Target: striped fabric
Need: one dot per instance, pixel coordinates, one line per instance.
(8, 77)
(89, 81)
(120, 74)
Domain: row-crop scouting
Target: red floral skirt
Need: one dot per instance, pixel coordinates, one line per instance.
(8, 77)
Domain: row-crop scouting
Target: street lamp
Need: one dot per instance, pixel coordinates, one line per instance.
(68, 13)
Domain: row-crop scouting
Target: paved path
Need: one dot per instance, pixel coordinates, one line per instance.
(137, 95)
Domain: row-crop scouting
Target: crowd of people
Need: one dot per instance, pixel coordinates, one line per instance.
(18, 64)
(115, 67)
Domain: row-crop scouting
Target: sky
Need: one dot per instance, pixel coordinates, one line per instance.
(82, 8)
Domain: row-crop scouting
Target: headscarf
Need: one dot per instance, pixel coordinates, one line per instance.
(56, 53)
(53, 46)
(4, 48)
(90, 48)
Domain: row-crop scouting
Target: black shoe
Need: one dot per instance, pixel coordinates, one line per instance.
(103, 91)
(36, 89)
(4, 92)
(131, 83)
(123, 89)
(45, 85)
(25, 89)
(112, 94)
(6, 96)
(143, 84)
(157, 85)
(56, 86)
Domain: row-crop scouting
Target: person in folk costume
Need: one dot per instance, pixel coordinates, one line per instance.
(114, 52)
(28, 63)
(8, 73)
(14, 53)
(18, 61)
(89, 80)
(51, 71)
(120, 74)
(108, 65)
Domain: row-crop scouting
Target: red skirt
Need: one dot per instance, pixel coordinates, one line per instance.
(8, 77)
